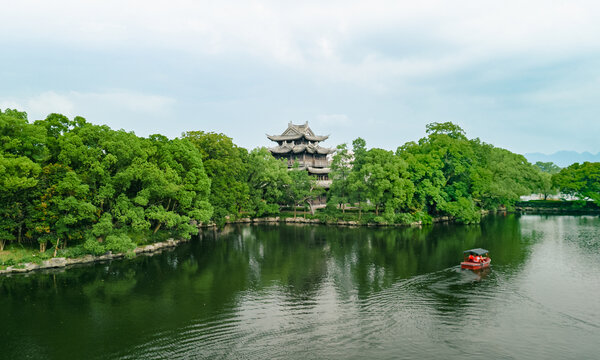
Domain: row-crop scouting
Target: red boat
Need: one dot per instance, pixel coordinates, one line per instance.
(475, 259)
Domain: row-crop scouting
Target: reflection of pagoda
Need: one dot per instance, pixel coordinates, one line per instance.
(299, 143)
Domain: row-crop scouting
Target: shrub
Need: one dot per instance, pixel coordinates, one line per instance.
(119, 243)
(92, 246)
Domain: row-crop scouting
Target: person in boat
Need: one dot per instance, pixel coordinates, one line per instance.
(471, 258)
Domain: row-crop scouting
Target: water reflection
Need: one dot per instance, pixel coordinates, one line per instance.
(285, 291)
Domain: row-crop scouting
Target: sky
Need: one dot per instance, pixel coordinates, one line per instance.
(522, 75)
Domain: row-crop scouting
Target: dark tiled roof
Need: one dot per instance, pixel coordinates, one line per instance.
(296, 132)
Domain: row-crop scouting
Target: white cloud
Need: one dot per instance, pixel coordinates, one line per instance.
(75, 103)
(315, 36)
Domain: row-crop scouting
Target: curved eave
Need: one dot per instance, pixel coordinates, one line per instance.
(297, 137)
(316, 137)
(325, 151)
(284, 137)
(280, 150)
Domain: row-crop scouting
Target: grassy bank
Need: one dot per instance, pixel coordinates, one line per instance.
(16, 254)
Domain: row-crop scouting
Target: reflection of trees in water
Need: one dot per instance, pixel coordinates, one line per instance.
(206, 279)
(458, 292)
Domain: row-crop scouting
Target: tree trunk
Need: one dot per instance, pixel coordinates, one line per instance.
(295, 211)
(359, 211)
(20, 231)
(56, 247)
(311, 208)
(343, 208)
(157, 227)
(376, 210)
(2, 245)
(43, 247)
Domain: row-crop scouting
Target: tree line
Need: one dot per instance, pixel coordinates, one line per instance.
(69, 183)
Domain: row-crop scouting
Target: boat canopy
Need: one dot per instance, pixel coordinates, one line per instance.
(478, 251)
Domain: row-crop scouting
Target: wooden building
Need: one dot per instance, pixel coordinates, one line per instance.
(299, 143)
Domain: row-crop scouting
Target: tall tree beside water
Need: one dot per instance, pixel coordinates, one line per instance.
(226, 165)
(341, 168)
(71, 182)
(580, 180)
(458, 177)
(267, 180)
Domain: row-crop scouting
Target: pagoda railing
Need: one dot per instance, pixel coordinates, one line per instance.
(313, 163)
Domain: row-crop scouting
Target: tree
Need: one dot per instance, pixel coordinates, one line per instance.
(548, 167)
(581, 180)
(63, 210)
(301, 188)
(267, 178)
(226, 165)
(385, 176)
(22, 148)
(458, 177)
(17, 176)
(357, 182)
(341, 168)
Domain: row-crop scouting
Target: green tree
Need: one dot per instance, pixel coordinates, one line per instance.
(226, 165)
(341, 168)
(357, 182)
(18, 175)
(301, 188)
(548, 167)
(581, 180)
(388, 187)
(267, 179)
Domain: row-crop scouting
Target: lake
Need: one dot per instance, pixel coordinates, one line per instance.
(318, 292)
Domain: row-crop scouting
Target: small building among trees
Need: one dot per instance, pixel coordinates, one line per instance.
(298, 143)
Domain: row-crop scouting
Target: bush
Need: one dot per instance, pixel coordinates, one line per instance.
(119, 243)
(92, 246)
(423, 217)
(75, 251)
(463, 210)
(404, 219)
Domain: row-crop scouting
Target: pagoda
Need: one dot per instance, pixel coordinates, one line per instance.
(298, 143)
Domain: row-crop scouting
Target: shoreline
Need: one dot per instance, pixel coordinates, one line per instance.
(555, 211)
(300, 220)
(63, 262)
(151, 249)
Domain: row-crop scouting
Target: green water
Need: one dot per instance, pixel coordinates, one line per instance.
(316, 292)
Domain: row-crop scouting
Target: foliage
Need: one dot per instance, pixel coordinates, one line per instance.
(581, 180)
(341, 168)
(71, 182)
(267, 179)
(84, 188)
(226, 166)
(547, 167)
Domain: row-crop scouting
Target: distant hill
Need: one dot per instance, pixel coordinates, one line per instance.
(563, 158)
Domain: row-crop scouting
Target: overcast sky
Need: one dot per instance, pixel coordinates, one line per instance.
(523, 75)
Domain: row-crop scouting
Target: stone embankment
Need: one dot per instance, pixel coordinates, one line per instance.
(61, 262)
(300, 220)
(555, 210)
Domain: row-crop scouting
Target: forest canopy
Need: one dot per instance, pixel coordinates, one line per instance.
(67, 183)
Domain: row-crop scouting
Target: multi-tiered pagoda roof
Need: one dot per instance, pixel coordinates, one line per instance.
(299, 145)
(297, 139)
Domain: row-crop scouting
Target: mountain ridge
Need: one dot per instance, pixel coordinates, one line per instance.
(563, 158)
